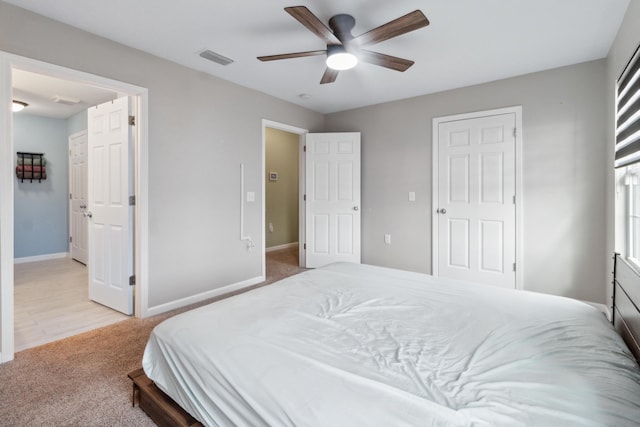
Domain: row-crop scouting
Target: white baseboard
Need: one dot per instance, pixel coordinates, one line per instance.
(281, 247)
(603, 308)
(45, 257)
(163, 308)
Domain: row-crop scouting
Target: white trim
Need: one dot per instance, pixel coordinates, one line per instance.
(6, 213)
(45, 257)
(282, 247)
(601, 307)
(301, 186)
(163, 308)
(9, 61)
(517, 110)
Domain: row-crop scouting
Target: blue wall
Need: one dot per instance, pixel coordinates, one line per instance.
(42, 209)
(77, 123)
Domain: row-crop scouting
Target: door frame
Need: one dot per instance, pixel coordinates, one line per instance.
(302, 260)
(8, 62)
(436, 121)
(70, 138)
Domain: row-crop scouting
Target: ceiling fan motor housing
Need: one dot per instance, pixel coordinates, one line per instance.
(341, 25)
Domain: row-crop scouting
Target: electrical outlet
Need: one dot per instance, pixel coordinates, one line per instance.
(387, 239)
(412, 196)
(251, 196)
(270, 227)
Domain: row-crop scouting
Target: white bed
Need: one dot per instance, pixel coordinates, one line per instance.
(356, 345)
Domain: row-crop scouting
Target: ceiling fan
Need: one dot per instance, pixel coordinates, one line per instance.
(343, 49)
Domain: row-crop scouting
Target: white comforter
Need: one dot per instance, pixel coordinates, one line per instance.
(352, 345)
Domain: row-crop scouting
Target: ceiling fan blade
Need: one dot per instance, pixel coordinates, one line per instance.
(313, 24)
(330, 75)
(292, 55)
(407, 23)
(387, 61)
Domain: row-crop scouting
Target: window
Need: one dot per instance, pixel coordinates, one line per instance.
(632, 180)
(627, 150)
(628, 113)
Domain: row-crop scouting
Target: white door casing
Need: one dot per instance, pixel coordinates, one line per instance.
(475, 197)
(108, 211)
(332, 198)
(78, 196)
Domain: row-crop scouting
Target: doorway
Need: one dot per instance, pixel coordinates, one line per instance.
(288, 136)
(282, 160)
(477, 196)
(8, 64)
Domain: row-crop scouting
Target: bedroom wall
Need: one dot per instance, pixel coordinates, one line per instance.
(194, 244)
(281, 207)
(564, 175)
(41, 224)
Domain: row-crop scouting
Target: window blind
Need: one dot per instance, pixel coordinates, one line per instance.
(628, 113)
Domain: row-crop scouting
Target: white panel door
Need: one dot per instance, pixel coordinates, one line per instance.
(476, 199)
(332, 198)
(78, 196)
(109, 227)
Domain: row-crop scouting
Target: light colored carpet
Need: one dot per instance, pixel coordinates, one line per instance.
(82, 380)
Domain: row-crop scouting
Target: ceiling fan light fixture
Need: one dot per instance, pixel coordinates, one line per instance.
(339, 59)
(18, 105)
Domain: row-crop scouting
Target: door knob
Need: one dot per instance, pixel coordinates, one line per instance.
(88, 214)
(83, 206)
(441, 211)
(355, 208)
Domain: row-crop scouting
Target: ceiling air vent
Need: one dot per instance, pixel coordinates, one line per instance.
(215, 57)
(65, 100)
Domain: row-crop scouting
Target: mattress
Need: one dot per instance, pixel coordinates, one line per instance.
(357, 345)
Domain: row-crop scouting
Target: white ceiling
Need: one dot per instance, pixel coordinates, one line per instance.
(41, 91)
(468, 41)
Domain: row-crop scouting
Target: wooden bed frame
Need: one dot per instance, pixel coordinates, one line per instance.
(626, 303)
(160, 407)
(625, 317)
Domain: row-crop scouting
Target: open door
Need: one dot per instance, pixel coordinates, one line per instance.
(332, 198)
(109, 142)
(78, 196)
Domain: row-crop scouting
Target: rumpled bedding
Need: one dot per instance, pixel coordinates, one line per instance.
(357, 345)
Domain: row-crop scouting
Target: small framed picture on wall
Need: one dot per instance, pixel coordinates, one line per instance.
(273, 176)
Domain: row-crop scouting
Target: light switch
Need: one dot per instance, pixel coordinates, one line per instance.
(412, 196)
(251, 196)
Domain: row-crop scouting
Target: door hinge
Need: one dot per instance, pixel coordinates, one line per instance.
(305, 148)
(132, 200)
(70, 239)
(132, 280)
(70, 196)
(514, 199)
(514, 266)
(515, 132)
(132, 120)
(305, 246)
(305, 197)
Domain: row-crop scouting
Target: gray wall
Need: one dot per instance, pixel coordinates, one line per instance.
(194, 227)
(564, 175)
(41, 212)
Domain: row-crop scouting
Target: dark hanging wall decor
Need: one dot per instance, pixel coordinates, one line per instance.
(628, 113)
(31, 166)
